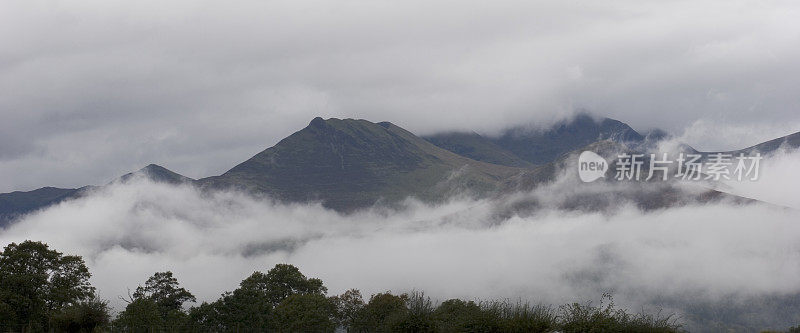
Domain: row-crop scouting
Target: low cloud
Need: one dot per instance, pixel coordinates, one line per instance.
(665, 258)
(778, 183)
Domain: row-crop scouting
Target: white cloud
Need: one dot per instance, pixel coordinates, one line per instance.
(458, 249)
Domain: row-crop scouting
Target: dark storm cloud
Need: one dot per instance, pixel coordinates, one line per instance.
(93, 89)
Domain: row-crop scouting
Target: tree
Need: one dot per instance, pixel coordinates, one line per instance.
(69, 282)
(384, 312)
(455, 315)
(305, 313)
(158, 303)
(8, 317)
(36, 281)
(282, 281)
(240, 308)
(251, 305)
(142, 313)
(348, 306)
(163, 289)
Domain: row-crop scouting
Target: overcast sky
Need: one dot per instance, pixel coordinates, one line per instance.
(90, 90)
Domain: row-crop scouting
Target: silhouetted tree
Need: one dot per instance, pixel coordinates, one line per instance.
(140, 315)
(158, 303)
(251, 305)
(36, 281)
(163, 289)
(282, 281)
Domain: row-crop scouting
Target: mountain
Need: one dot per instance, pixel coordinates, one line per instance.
(348, 164)
(156, 173)
(791, 141)
(15, 204)
(537, 147)
(476, 147)
(541, 147)
(604, 194)
(18, 203)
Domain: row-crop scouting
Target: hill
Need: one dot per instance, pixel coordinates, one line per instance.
(348, 164)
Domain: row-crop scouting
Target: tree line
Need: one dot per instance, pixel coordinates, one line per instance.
(42, 290)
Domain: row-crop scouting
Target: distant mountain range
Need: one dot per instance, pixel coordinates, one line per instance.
(522, 146)
(347, 164)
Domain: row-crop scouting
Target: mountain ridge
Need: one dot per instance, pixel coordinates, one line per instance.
(539, 147)
(19, 203)
(477, 147)
(155, 173)
(348, 164)
(354, 163)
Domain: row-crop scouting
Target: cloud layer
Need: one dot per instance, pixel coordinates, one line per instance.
(669, 258)
(94, 89)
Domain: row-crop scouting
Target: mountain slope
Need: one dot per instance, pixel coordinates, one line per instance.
(476, 147)
(791, 141)
(18, 203)
(541, 147)
(15, 204)
(348, 164)
(156, 173)
(524, 147)
(569, 193)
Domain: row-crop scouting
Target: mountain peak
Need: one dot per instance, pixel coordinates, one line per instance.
(540, 147)
(152, 167)
(351, 163)
(156, 173)
(317, 122)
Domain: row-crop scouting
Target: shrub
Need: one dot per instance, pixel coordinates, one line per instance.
(86, 316)
(455, 315)
(577, 317)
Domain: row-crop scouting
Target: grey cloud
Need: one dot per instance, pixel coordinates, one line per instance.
(91, 90)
